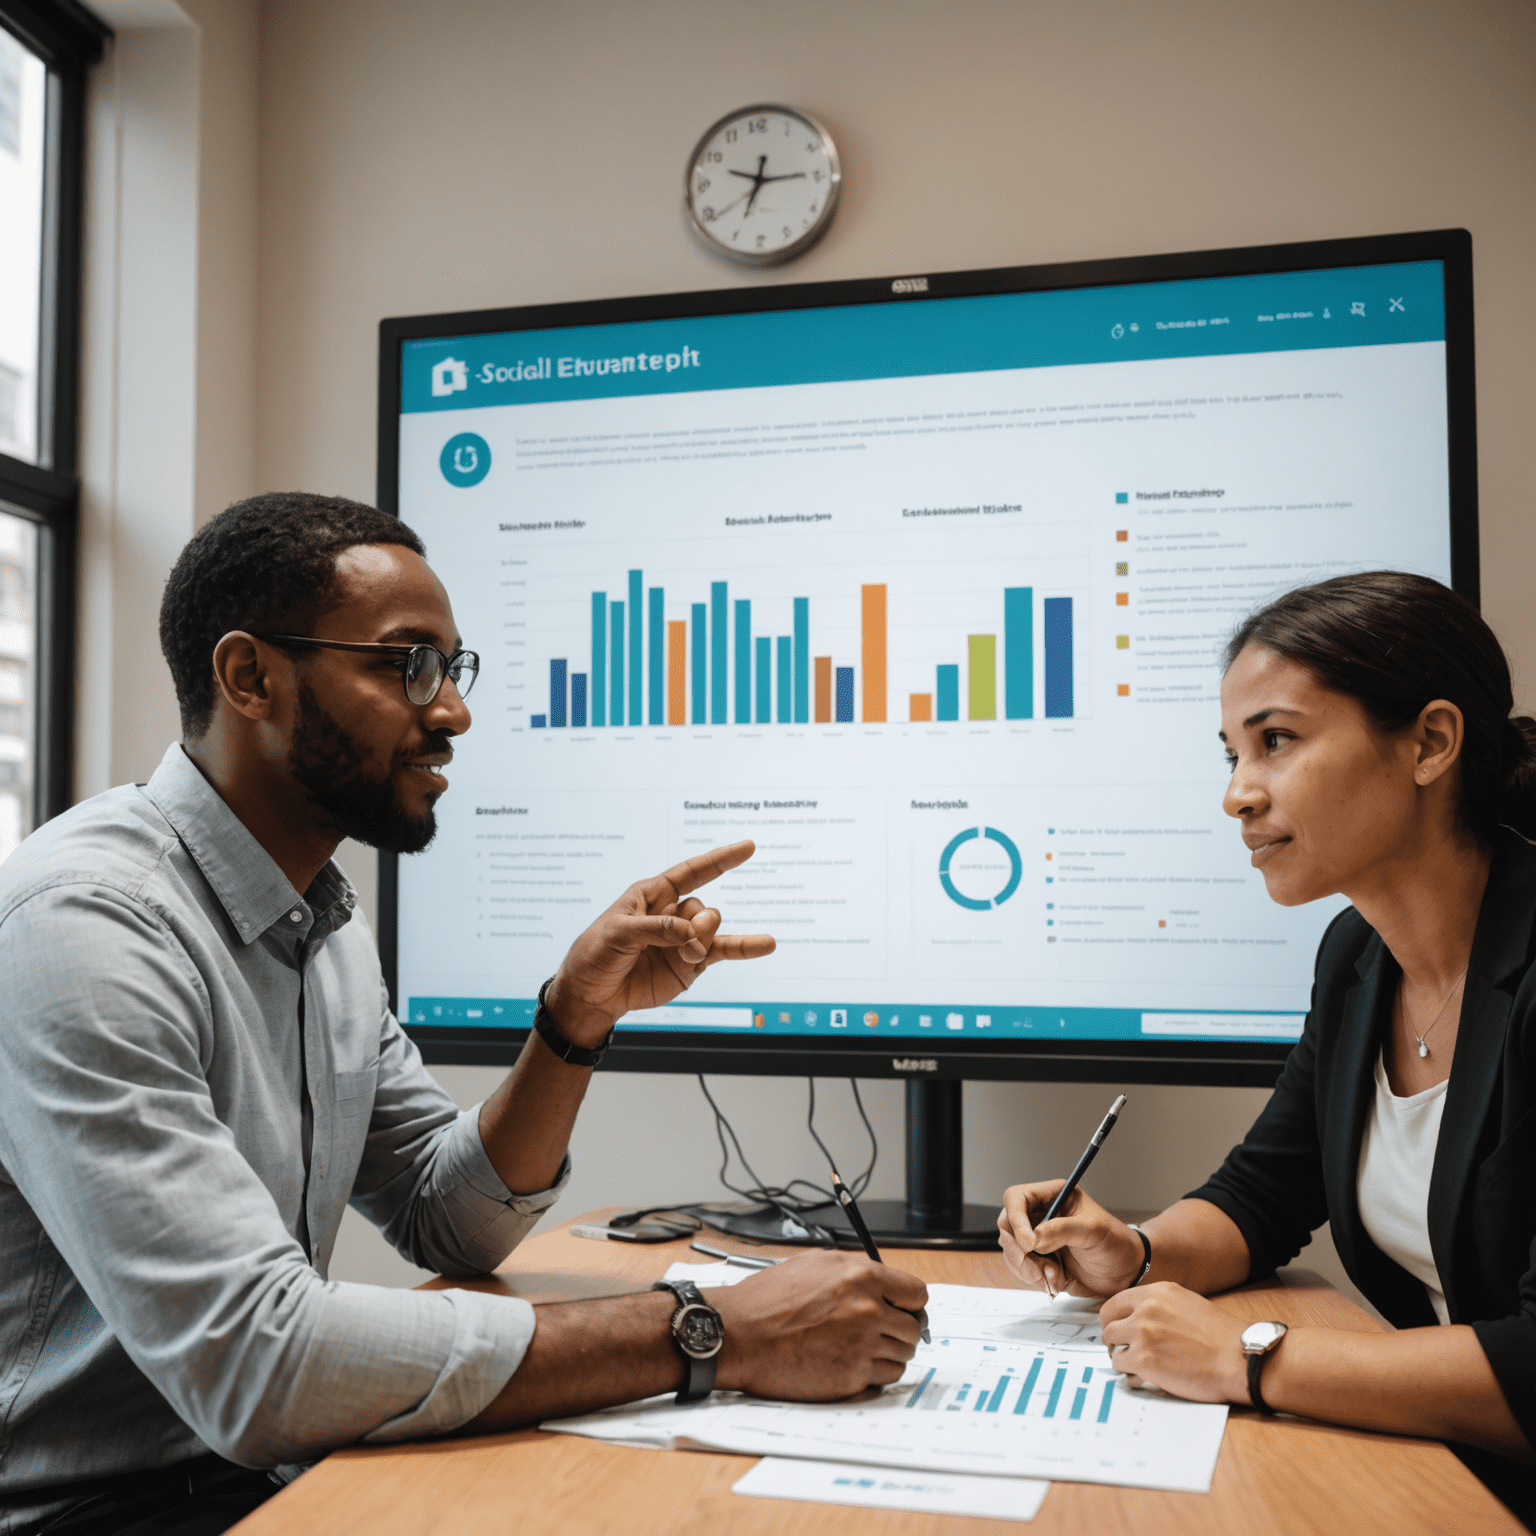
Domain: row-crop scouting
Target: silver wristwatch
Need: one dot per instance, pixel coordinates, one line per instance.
(1259, 1341)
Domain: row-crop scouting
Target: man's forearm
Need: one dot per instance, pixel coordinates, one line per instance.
(589, 1355)
(525, 1126)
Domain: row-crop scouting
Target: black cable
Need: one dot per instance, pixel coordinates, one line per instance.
(861, 1183)
(782, 1198)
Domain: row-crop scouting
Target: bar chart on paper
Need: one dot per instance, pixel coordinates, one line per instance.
(1011, 1409)
(668, 652)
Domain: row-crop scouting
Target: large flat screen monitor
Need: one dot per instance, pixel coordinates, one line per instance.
(920, 582)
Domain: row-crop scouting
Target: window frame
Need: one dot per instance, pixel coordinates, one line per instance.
(68, 39)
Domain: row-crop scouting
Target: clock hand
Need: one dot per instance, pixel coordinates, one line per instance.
(790, 176)
(762, 160)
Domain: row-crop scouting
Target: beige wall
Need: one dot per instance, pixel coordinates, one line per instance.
(465, 153)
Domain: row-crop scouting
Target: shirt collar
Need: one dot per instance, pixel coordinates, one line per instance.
(244, 876)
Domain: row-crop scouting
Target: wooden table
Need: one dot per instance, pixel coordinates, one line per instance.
(1274, 1476)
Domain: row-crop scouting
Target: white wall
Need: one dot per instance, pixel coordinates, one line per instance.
(419, 156)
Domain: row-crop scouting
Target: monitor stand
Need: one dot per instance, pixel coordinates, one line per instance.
(934, 1214)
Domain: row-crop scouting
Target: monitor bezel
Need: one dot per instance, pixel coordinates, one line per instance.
(1208, 1063)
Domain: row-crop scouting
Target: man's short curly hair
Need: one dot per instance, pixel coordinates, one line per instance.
(265, 563)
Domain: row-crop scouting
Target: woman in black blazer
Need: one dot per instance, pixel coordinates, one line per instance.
(1367, 723)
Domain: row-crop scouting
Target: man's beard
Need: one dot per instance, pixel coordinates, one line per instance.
(328, 763)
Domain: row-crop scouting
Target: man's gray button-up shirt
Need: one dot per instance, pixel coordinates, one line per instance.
(175, 1160)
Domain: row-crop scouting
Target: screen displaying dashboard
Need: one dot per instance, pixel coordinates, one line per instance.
(922, 589)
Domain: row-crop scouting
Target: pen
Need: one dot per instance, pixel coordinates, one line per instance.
(744, 1260)
(1064, 1194)
(856, 1221)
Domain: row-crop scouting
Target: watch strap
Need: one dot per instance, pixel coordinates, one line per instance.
(1255, 1371)
(566, 1050)
(1146, 1251)
(699, 1380)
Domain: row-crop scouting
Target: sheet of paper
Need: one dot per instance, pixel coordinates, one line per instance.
(1007, 1396)
(930, 1493)
(705, 1275)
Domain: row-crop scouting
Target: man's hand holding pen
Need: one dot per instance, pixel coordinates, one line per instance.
(819, 1327)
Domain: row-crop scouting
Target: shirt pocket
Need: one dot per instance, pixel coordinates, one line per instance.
(354, 1091)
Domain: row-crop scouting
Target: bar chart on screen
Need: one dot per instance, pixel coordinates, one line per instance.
(668, 651)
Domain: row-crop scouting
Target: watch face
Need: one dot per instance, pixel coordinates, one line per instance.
(762, 184)
(698, 1330)
(1259, 1337)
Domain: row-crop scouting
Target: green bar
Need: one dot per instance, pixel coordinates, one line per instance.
(982, 681)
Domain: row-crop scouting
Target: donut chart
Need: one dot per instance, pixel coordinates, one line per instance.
(1015, 873)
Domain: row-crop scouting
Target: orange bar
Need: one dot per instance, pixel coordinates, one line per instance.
(874, 653)
(823, 690)
(677, 685)
(920, 707)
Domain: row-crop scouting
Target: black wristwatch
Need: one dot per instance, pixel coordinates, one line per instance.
(1259, 1341)
(698, 1332)
(566, 1050)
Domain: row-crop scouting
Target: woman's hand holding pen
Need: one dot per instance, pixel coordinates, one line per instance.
(1090, 1252)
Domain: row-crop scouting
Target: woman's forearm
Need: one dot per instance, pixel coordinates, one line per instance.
(1197, 1245)
(1435, 1382)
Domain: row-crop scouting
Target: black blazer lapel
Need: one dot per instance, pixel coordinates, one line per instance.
(1499, 948)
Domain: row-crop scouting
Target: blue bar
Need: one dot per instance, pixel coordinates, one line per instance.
(718, 608)
(578, 700)
(948, 701)
(1078, 1399)
(1198, 317)
(658, 657)
(843, 693)
(786, 650)
(636, 651)
(764, 680)
(616, 627)
(993, 1403)
(743, 661)
(599, 658)
(1018, 653)
(1058, 658)
(1029, 1384)
(1055, 1397)
(557, 693)
(1109, 1392)
(921, 1387)
(538, 722)
(802, 660)
(700, 662)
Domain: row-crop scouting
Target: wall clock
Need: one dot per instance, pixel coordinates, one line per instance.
(762, 184)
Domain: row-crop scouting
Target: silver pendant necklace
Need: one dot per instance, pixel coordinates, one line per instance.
(1402, 1003)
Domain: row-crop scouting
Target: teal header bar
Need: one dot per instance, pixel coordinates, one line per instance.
(1206, 317)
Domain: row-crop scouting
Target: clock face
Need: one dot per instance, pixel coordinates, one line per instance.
(763, 183)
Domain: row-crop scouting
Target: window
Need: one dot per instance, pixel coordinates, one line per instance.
(46, 47)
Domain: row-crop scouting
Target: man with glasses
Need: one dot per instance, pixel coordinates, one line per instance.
(199, 1071)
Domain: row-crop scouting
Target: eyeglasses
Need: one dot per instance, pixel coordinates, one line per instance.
(422, 669)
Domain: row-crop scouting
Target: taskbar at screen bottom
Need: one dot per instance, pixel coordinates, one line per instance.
(870, 1021)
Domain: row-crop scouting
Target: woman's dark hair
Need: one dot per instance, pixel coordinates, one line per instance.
(265, 563)
(1394, 642)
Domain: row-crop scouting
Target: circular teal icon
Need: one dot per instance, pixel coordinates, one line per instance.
(466, 459)
(1015, 873)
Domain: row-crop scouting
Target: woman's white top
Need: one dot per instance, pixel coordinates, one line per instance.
(1397, 1157)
